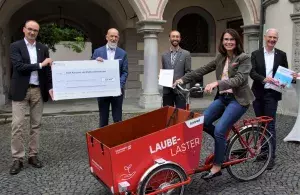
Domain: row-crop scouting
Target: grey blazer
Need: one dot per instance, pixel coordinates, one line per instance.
(182, 65)
(238, 72)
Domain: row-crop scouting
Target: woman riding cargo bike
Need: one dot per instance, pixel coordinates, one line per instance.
(234, 95)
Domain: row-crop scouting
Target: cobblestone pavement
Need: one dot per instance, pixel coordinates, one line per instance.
(66, 171)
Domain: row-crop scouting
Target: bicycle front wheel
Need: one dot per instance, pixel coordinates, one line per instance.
(163, 177)
(259, 143)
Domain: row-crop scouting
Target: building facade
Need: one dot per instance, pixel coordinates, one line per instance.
(144, 27)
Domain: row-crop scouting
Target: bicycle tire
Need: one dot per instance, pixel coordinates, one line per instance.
(236, 139)
(171, 167)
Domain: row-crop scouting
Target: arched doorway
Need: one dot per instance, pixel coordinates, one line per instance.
(93, 17)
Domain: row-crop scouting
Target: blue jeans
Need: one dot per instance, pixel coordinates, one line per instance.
(228, 111)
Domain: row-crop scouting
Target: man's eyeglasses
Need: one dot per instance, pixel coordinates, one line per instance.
(32, 30)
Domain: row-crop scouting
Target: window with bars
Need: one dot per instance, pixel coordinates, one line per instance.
(194, 33)
(198, 30)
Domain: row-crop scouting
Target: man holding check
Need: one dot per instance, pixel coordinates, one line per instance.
(111, 51)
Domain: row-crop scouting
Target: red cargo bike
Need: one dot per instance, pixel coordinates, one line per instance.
(157, 152)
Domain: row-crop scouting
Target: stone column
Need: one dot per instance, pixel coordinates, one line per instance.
(296, 36)
(150, 97)
(251, 33)
(251, 41)
(3, 68)
(289, 103)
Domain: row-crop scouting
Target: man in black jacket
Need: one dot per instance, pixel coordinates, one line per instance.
(31, 84)
(265, 63)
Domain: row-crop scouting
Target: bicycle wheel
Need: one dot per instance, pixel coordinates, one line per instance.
(253, 166)
(162, 177)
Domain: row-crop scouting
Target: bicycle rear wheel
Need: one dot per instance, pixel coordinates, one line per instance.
(253, 166)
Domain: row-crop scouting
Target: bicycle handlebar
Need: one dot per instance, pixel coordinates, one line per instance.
(197, 88)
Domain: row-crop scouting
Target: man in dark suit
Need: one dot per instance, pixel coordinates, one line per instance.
(111, 51)
(180, 60)
(265, 62)
(31, 84)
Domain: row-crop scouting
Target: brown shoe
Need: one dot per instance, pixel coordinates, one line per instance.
(16, 167)
(35, 162)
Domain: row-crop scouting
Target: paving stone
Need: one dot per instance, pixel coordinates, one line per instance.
(66, 171)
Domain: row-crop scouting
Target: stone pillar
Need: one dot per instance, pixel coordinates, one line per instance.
(3, 68)
(251, 41)
(251, 33)
(289, 103)
(296, 36)
(150, 97)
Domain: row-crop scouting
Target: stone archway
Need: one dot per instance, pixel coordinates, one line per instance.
(150, 15)
(249, 10)
(149, 10)
(94, 17)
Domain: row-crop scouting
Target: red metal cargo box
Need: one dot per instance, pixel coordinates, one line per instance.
(124, 151)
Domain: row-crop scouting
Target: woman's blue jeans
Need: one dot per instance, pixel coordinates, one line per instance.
(228, 111)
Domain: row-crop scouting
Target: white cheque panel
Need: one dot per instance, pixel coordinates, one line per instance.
(85, 79)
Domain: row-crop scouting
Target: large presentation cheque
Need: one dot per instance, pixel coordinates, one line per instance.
(85, 79)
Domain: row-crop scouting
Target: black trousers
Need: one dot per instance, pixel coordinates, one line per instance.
(267, 106)
(174, 99)
(116, 108)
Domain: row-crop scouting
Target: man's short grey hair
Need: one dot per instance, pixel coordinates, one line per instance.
(272, 29)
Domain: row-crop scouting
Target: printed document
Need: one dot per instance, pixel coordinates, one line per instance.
(284, 78)
(166, 77)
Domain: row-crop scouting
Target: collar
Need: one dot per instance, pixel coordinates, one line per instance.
(28, 44)
(171, 50)
(271, 52)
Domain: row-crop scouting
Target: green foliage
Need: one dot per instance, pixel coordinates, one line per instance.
(50, 34)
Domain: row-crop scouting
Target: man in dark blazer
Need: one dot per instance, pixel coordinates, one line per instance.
(180, 60)
(31, 84)
(265, 62)
(110, 52)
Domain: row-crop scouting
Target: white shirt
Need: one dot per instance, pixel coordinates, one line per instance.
(34, 77)
(110, 53)
(269, 61)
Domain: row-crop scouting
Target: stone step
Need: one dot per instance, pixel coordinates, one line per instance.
(133, 61)
(135, 58)
(133, 76)
(133, 54)
(135, 68)
(133, 93)
(133, 85)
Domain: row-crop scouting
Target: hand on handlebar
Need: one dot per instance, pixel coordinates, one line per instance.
(179, 81)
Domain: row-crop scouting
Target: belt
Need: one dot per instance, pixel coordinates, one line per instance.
(227, 94)
(33, 86)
